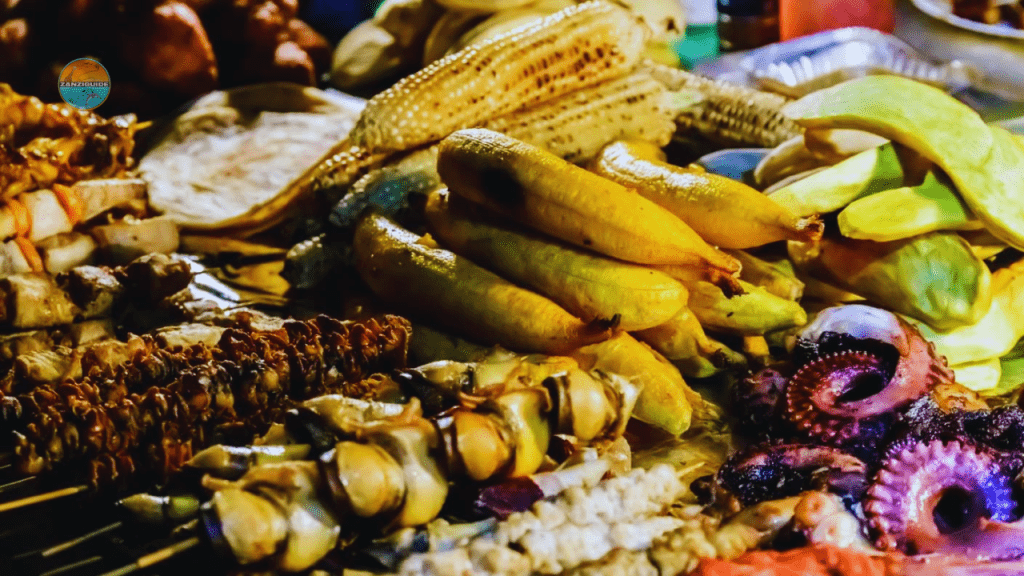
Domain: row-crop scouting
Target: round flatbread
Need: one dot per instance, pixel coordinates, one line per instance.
(238, 148)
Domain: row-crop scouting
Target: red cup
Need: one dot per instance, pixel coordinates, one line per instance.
(803, 17)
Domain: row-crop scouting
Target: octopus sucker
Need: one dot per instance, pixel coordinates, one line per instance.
(848, 396)
(855, 380)
(945, 497)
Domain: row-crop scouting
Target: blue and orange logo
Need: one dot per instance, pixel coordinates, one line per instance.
(84, 84)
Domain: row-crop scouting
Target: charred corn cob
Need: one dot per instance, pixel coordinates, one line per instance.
(728, 113)
(578, 124)
(576, 47)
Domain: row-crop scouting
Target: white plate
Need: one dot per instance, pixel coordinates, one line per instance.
(943, 10)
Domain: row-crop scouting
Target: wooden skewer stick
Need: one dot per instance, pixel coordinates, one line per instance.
(6, 457)
(72, 566)
(44, 497)
(16, 484)
(5, 467)
(155, 557)
(76, 541)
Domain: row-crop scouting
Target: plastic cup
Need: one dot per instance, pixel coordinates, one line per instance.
(803, 17)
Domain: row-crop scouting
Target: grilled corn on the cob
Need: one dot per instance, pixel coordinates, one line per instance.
(578, 124)
(576, 47)
(728, 113)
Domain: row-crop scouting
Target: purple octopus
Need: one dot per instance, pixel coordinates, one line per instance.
(866, 409)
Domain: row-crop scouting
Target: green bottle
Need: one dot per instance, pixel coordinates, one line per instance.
(701, 40)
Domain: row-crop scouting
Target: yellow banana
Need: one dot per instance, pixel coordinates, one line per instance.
(725, 212)
(588, 285)
(551, 195)
(453, 292)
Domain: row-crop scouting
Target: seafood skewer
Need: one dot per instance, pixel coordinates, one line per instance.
(104, 422)
(396, 470)
(70, 145)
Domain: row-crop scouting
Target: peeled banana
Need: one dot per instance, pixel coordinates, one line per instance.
(588, 285)
(453, 292)
(547, 193)
(725, 212)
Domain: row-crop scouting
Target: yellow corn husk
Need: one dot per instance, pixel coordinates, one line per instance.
(576, 47)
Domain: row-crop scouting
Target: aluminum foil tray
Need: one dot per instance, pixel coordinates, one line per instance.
(809, 63)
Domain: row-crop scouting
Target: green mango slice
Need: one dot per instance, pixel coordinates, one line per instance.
(985, 163)
(870, 171)
(907, 211)
(996, 333)
(935, 277)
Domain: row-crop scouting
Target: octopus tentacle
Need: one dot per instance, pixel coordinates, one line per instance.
(757, 400)
(849, 399)
(951, 498)
(769, 472)
(852, 397)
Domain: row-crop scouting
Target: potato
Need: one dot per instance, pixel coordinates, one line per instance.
(177, 54)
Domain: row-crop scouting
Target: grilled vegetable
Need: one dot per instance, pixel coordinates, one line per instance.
(785, 160)
(665, 399)
(985, 163)
(460, 295)
(727, 113)
(866, 173)
(723, 211)
(683, 341)
(577, 125)
(754, 312)
(907, 211)
(996, 333)
(387, 189)
(935, 278)
(572, 49)
(545, 192)
(588, 285)
(775, 277)
(982, 376)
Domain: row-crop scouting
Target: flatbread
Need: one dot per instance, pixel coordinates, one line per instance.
(239, 148)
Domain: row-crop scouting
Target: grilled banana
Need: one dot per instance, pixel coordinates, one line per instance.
(457, 294)
(586, 284)
(543, 191)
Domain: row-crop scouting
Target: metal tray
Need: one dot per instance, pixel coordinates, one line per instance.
(803, 65)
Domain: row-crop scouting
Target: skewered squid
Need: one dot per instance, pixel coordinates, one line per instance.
(391, 469)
